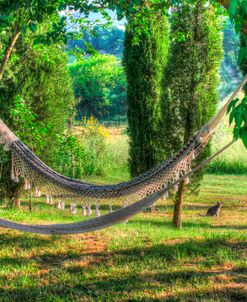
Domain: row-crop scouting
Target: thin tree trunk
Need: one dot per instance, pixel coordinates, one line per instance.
(178, 207)
(30, 202)
(17, 203)
(224, 3)
(8, 53)
(70, 124)
(16, 197)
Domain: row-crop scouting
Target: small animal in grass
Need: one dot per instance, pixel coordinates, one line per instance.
(215, 210)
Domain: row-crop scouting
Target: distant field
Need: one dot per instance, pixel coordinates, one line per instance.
(232, 161)
(115, 158)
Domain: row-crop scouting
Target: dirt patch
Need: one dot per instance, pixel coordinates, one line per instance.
(174, 241)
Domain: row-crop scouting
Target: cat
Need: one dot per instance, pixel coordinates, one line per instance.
(215, 210)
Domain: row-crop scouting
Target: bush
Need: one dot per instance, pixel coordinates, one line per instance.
(83, 152)
(100, 87)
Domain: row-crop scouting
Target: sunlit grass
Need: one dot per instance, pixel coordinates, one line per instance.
(142, 260)
(233, 160)
(145, 259)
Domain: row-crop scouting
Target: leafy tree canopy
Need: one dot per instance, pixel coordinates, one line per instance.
(99, 86)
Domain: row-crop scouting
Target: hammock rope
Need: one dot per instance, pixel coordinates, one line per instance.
(135, 194)
(106, 220)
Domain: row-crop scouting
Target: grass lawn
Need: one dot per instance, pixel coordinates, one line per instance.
(142, 260)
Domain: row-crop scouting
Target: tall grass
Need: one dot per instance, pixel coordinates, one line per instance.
(106, 153)
(233, 160)
(110, 164)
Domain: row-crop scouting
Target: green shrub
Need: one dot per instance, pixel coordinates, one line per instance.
(89, 151)
(100, 87)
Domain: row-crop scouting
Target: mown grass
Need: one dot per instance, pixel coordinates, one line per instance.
(142, 260)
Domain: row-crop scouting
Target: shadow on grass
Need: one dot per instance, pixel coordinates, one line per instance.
(186, 224)
(168, 224)
(169, 207)
(230, 227)
(133, 274)
(24, 241)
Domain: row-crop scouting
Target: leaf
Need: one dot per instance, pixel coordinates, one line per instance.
(238, 117)
(232, 105)
(232, 116)
(232, 9)
(244, 116)
(236, 133)
(243, 135)
(33, 27)
(241, 54)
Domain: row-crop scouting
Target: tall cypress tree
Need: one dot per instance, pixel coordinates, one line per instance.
(145, 55)
(191, 82)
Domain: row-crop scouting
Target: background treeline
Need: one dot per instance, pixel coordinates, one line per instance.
(109, 41)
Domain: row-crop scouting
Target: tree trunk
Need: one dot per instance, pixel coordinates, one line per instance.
(70, 124)
(178, 207)
(8, 53)
(224, 3)
(15, 195)
(30, 202)
(17, 202)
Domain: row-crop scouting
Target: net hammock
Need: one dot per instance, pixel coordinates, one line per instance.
(134, 195)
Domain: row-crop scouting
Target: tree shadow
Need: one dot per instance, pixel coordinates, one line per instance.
(24, 240)
(231, 227)
(168, 224)
(152, 270)
(227, 293)
(170, 207)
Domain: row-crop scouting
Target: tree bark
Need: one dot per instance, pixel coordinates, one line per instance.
(178, 207)
(30, 202)
(8, 53)
(17, 203)
(224, 3)
(70, 124)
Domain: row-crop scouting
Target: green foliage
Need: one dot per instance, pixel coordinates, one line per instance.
(105, 40)
(88, 151)
(230, 73)
(238, 14)
(144, 63)
(238, 114)
(29, 15)
(191, 78)
(40, 75)
(81, 154)
(26, 122)
(99, 86)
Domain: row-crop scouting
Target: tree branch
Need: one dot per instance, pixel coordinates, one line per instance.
(8, 52)
(224, 3)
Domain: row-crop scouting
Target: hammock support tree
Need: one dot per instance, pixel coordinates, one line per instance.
(136, 194)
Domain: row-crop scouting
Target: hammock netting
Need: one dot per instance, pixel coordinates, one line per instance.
(134, 195)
